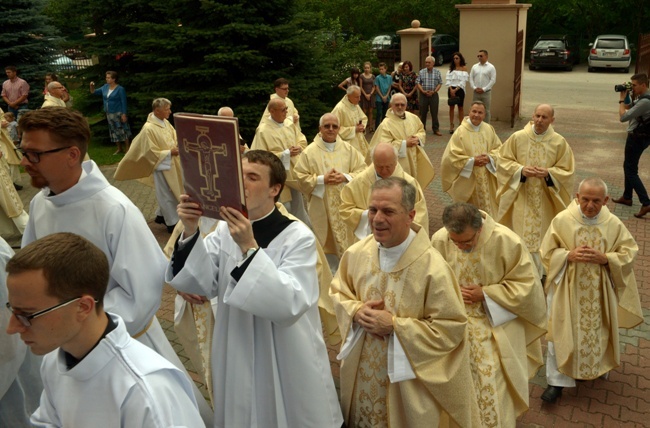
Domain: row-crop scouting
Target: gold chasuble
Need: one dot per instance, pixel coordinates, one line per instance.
(590, 301)
(528, 207)
(291, 110)
(355, 197)
(349, 116)
(319, 159)
(480, 187)
(505, 356)
(150, 147)
(429, 324)
(393, 129)
(276, 138)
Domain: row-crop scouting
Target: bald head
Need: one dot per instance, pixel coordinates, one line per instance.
(226, 112)
(278, 109)
(384, 159)
(543, 117)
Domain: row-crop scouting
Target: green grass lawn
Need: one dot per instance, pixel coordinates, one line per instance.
(102, 153)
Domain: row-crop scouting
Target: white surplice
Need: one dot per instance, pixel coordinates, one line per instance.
(106, 217)
(269, 362)
(120, 383)
(20, 380)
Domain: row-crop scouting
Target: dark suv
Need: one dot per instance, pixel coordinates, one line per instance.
(443, 47)
(554, 52)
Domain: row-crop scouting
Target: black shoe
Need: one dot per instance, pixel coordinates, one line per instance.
(552, 393)
(160, 219)
(18, 186)
(170, 229)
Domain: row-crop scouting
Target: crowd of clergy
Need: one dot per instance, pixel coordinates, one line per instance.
(336, 252)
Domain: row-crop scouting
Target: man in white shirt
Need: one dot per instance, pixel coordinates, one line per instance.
(94, 373)
(482, 78)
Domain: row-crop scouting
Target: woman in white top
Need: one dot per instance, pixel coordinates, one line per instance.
(457, 77)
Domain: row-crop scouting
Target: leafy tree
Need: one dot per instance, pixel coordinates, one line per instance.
(28, 42)
(204, 54)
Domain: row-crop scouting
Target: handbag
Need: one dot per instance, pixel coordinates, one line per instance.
(453, 101)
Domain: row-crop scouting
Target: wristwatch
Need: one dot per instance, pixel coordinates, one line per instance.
(250, 251)
(621, 101)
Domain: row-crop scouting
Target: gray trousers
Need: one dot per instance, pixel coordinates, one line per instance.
(429, 105)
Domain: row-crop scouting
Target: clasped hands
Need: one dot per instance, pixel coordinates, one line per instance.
(374, 319)
(481, 160)
(334, 177)
(472, 293)
(295, 150)
(586, 254)
(534, 171)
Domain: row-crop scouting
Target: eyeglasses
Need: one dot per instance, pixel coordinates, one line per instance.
(26, 319)
(330, 126)
(35, 157)
(284, 89)
(479, 56)
(467, 242)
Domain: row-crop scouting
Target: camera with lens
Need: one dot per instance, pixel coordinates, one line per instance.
(627, 86)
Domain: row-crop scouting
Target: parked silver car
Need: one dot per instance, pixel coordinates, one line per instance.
(610, 51)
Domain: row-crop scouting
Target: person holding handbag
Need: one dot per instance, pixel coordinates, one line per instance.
(457, 77)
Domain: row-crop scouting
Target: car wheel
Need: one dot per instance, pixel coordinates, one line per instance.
(591, 69)
(531, 67)
(440, 59)
(569, 67)
(626, 70)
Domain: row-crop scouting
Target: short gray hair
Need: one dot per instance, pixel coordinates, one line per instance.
(160, 103)
(352, 88)
(594, 182)
(459, 216)
(408, 190)
(322, 118)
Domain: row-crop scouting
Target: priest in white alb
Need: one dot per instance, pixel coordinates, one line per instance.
(269, 360)
(322, 171)
(154, 152)
(405, 132)
(469, 164)
(591, 289)
(405, 357)
(352, 120)
(535, 174)
(75, 197)
(506, 313)
(355, 196)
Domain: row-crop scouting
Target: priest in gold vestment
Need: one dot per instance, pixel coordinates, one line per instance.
(468, 165)
(355, 196)
(322, 171)
(279, 135)
(154, 152)
(591, 289)
(405, 132)
(535, 174)
(281, 88)
(353, 120)
(405, 357)
(506, 312)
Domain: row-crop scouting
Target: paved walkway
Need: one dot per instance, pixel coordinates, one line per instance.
(623, 400)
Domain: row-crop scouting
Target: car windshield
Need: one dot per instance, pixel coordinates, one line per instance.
(610, 44)
(546, 44)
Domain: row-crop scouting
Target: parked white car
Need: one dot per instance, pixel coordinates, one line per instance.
(610, 51)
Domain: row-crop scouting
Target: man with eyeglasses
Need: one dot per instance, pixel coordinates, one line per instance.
(323, 169)
(75, 196)
(280, 136)
(20, 381)
(506, 314)
(404, 131)
(352, 120)
(482, 78)
(281, 87)
(54, 96)
(405, 362)
(93, 372)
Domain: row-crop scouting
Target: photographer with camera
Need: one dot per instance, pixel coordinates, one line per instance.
(638, 138)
